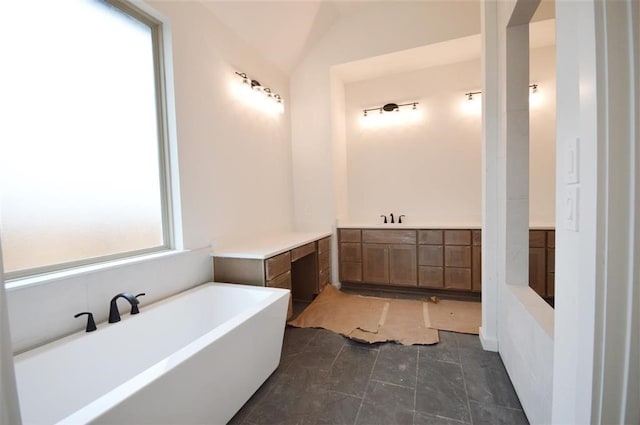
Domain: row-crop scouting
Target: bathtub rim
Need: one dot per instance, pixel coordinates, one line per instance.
(121, 392)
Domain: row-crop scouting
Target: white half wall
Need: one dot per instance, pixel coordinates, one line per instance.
(9, 406)
(515, 320)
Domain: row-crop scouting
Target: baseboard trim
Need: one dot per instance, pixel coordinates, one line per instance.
(489, 344)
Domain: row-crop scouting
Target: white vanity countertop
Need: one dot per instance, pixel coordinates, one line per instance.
(407, 226)
(263, 247)
(410, 226)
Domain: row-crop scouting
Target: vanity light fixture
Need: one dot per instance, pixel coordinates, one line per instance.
(471, 93)
(391, 107)
(533, 87)
(269, 95)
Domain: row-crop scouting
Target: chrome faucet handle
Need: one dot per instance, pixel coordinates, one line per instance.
(91, 324)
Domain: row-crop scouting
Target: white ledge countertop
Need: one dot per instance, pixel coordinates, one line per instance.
(410, 226)
(263, 247)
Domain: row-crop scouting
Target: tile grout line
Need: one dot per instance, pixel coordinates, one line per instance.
(464, 380)
(415, 389)
(367, 386)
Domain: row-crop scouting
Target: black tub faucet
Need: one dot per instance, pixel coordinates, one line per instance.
(134, 308)
(91, 324)
(114, 314)
(391, 215)
(385, 218)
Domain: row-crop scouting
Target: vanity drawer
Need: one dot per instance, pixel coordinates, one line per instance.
(324, 245)
(323, 278)
(302, 251)
(323, 260)
(430, 237)
(455, 278)
(431, 277)
(457, 237)
(430, 255)
(350, 235)
(283, 281)
(457, 256)
(389, 236)
(278, 264)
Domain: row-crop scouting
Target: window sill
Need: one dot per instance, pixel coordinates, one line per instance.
(46, 278)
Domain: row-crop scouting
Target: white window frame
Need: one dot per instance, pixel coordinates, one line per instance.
(167, 151)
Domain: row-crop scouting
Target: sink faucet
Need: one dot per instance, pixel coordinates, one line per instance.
(114, 314)
(391, 215)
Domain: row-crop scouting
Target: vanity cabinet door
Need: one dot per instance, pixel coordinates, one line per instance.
(403, 265)
(375, 263)
(538, 270)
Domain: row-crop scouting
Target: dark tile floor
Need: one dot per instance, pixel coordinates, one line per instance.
(324, 378)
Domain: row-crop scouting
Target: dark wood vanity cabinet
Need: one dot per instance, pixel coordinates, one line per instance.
(442, 259)
(542, 262)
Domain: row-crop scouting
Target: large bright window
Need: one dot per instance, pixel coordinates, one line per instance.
(82, 135)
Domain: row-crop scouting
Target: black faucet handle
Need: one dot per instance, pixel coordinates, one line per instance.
(91, 324)
(385, 218)
(134, 306)
(400, 219)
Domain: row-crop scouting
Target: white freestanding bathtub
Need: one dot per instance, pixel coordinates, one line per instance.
(194, 358)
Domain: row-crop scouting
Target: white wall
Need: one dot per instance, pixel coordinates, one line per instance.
(235, 161)
(385, 28)
(542, 137)
(430, 170)
(235, 179)
(596, 377)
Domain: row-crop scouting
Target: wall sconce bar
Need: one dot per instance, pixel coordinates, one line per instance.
(255, 85)
(533, 87)
(471, 93)
(389, 107)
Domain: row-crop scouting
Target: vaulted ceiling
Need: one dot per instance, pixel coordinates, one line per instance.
(282, 31)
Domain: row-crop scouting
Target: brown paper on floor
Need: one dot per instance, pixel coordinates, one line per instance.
(371, 319)
(457, 316)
